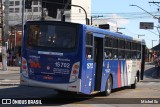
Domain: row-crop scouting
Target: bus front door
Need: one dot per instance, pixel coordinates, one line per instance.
(98, 62)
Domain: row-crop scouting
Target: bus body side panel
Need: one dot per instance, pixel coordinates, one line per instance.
(129, 70)
(87, 66)
(119, 71)
(136, 67)
(105, 73)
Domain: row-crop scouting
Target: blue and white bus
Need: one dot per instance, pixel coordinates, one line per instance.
(79, 58)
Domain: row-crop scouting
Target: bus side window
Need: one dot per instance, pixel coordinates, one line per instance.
(115, 54)
(108, 53)
(128, 54)
(134, 55)
(121, 54)
(138, 55)
(89, 45)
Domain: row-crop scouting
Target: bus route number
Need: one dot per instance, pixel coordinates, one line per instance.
(62, 65)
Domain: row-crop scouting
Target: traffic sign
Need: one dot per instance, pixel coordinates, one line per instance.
(146, 25)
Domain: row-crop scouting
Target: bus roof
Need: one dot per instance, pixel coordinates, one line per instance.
(114, 34)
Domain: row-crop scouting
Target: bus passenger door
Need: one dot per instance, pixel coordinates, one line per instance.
(98, 63)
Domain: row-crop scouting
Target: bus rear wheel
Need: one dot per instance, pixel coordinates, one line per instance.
(108, 88)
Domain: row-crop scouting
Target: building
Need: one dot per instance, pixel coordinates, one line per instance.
(102, 21)
(75, 14)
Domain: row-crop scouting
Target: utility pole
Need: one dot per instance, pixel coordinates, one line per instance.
(159, 33)
(156, 3)
(42, 11)
(87, 20)
(95, 17)
(62, 12)
(1, 23)
(5, 35)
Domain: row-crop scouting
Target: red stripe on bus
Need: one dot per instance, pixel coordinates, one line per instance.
(119, 76)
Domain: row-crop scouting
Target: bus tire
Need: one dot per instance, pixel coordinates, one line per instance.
(133, 86)
(108, 88)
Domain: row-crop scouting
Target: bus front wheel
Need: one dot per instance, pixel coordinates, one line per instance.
(108, 88)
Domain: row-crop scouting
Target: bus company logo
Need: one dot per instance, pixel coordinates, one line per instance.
(6, 101)
(89, 65)
(34, 64)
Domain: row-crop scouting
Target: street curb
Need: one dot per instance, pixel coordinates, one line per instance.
(9, 82)
(14, 84)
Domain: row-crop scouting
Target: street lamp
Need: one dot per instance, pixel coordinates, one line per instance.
(140, 35)
(95, 17)
(145, 11)
(120, 28)
(152, 42)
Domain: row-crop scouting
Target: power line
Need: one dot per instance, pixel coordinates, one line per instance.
(126, 13)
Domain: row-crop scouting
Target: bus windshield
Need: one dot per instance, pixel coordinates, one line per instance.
(52, 36)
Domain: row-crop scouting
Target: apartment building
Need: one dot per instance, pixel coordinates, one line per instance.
(15, 12)
(75, 14)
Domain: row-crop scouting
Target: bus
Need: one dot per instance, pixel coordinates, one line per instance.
(79, 58)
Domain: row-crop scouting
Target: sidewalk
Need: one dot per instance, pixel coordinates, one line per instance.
(10, 77)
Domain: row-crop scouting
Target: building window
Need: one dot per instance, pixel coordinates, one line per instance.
(17, 3)
(40, 9)
(29, 10)
(16, 10)
(35, 9)
(35, 2)
(11, 3)
(11, 10)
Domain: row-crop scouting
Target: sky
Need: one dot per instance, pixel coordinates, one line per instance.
(129, 17)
